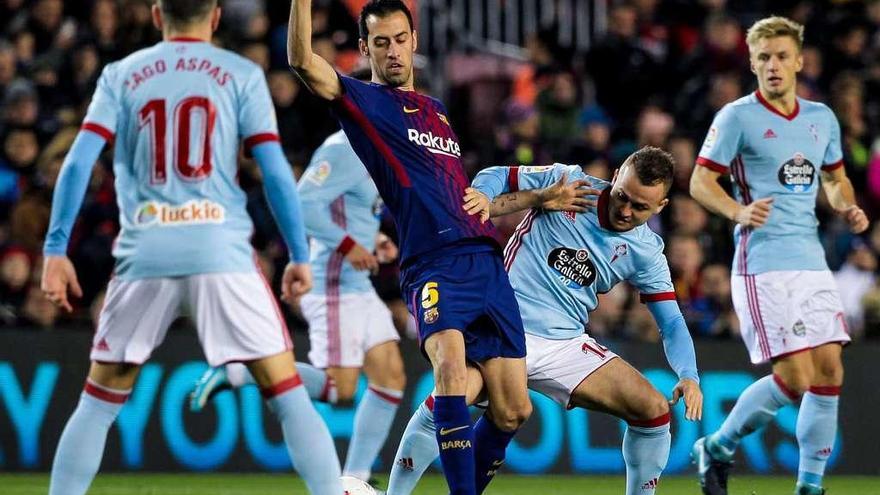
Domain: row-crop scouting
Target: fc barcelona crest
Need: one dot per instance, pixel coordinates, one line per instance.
(431, 315)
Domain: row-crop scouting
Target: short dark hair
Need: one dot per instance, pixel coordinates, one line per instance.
(382, 8)
(183, 12)
(653, 166)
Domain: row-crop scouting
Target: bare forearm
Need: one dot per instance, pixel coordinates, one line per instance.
(317, 74)
(840, 193)
(506, 204)
(713, 197)
(299, 34)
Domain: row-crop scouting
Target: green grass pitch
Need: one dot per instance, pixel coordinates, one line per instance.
(265, 484)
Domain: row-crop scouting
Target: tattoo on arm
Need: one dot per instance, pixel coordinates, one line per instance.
(501, 201)
(508, 203)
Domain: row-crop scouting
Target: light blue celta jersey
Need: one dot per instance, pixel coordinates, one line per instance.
(770, 155)
(560, 261)
(341, 206)
(178, 112)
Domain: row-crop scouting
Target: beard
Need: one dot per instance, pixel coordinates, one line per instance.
(396, 80)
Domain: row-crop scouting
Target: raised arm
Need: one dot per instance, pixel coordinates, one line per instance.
(317, 74)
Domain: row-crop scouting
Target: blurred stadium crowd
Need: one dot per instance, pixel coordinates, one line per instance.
(656, 76)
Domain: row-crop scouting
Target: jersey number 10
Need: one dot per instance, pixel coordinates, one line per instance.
(154, 115)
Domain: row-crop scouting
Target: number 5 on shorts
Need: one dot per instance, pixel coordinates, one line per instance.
(430, 295)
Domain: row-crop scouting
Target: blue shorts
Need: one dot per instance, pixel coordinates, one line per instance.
(468, 292)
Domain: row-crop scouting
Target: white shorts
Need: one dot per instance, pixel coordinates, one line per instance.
(785, 312)
(343, 328)
(557, 367)
(236, 316)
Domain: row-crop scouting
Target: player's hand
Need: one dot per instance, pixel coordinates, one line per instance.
(386, 250)
(569, 196)
(297, 280)
(693, 398)
(755, 214)
(476, 202)
(856, 218)
(58, 277)
(361, 259)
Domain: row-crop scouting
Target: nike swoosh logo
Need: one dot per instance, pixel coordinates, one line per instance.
(447, 431)
(410, 110)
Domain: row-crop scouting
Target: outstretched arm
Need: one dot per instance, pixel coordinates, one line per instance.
(679, 349)
(318, 75)
(508, 203)
(499, 191)
(73, 180)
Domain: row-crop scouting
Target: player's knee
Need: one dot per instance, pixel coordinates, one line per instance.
(657, 406)
(396, 381)
(513, 416)
(654, 406)
(396, 374)
(829, 373)
(797, 384)
(523, 412)
(345, 393)
(392, 379)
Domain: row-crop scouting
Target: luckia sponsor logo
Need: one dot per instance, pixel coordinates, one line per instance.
(154, 213)
(435, 144)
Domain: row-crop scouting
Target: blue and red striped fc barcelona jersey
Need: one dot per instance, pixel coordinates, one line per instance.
(407, 144)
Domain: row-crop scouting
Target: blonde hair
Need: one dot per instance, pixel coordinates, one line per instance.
(775, 26)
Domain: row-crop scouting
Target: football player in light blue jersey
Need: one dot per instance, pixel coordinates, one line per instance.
(178, 112)
(777, 147)
(350, 327)
(559, 261)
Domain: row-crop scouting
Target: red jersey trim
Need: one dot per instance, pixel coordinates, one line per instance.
(830, 167)
(827, 390)
(791, 394)
(660, 296)
(791, 116)
(98, 129)
(346, 245)
(105, 395)
(281, 387)
(513, 179)
(650, 423)
(387, 397)
(712, 165)
(263, 137)
(187, 39)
